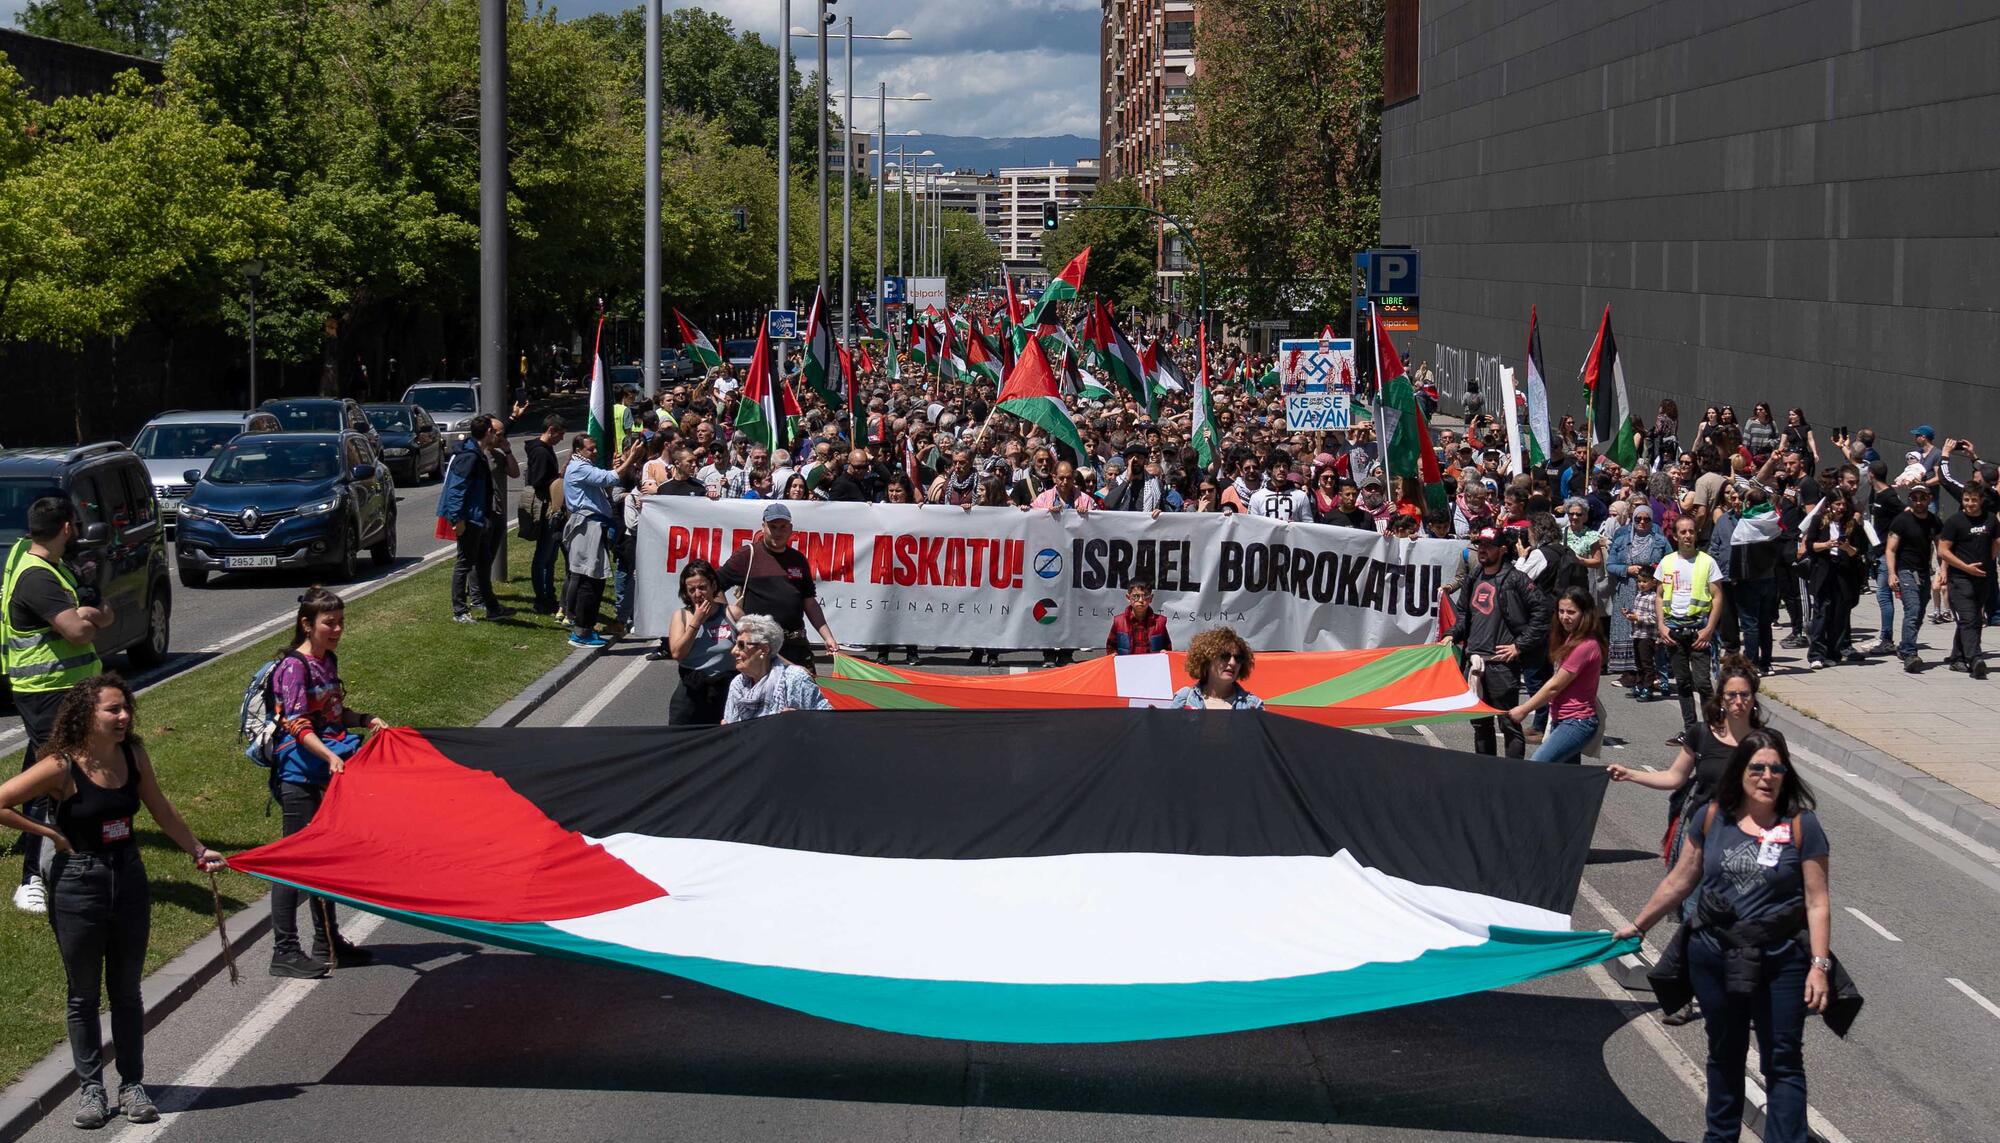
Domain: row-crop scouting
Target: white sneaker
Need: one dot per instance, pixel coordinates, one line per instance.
(32, 898)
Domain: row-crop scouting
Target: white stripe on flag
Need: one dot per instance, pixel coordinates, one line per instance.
(1110, 918)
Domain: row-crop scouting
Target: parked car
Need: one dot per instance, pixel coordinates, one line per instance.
(121, 553)
(288, 500)
(452, 404)
(676, 365)
(324, 415)
(412, 445)
(179, 440)
(737, 351)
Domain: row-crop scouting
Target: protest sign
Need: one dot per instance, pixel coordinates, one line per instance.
(1316, 376)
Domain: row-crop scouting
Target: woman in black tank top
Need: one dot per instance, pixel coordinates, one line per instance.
(100, 906)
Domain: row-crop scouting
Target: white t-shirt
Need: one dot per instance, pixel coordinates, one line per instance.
(1276, 505)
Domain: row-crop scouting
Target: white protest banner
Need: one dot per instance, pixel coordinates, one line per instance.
(1316, 376)
(1512, 414)
(999, 577)
(922, 292)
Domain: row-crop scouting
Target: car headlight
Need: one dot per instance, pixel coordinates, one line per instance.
(322, 508)
(395, 452)
(195, 511)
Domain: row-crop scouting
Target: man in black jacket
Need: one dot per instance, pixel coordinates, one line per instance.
(1503, 625)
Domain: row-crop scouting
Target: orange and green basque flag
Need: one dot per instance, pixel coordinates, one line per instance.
(1381, 686)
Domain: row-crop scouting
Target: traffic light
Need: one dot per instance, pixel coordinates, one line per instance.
(1049, 215)
(741, 217)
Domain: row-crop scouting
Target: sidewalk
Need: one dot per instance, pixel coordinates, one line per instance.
(1938, 721)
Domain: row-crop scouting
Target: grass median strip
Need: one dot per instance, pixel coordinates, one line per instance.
(401, 658)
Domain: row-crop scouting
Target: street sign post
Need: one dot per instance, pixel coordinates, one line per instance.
(892, 291)
(1391, 282)
(782, 325)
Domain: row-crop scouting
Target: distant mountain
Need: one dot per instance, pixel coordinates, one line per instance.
(970, 152)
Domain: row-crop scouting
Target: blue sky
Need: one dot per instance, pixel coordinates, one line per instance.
(992, 67)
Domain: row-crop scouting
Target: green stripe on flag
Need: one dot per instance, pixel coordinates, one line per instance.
(1362, 680)
(877, 695)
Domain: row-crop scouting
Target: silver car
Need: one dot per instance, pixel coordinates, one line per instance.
(452, 404)
(180, 440)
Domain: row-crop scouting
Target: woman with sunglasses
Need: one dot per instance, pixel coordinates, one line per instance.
(1758, 858)
(1760, 433)
(1218, 660)
(764, 683)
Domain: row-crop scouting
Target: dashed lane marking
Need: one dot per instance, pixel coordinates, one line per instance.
(1872, 923)
(1991, 1008)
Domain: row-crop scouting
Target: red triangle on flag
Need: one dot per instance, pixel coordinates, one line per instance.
(1031, 375)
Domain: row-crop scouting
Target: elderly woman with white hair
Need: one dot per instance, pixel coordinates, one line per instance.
(764, 683)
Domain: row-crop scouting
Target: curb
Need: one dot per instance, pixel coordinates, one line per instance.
(45, 1088)
(1954, 807)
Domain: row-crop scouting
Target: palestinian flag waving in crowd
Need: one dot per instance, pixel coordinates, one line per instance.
(1537, 390)
(1201, 425)
(1119, 359)
(699, 348)
(822, 365)
(1032, 394)
(1406, 436)
(1608, 410)
(601, 418)
(1064, 287)
(767, 413)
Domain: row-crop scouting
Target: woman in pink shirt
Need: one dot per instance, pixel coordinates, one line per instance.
(1576, 650)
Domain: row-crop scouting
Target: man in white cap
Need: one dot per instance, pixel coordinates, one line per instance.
(776, 580)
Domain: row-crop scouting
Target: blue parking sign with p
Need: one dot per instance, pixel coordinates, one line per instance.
(892, 291)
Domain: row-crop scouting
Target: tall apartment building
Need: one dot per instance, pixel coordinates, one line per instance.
(1145, 110)
(1008, 205)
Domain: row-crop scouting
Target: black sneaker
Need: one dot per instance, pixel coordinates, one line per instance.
(347, 954)
(136, 1106)
(92, 1112)
(1686, 1012)
(1912, 665)
(297, 965)
(1678, 739)
(1957, 666)
(1978, 669)
(498, 612)
(909, 658)
(1792, 642)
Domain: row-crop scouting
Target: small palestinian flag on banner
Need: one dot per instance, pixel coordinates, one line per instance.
(700, 350)
(1032, 394)
(1608, 412)
(1064, 287)
(1046, 876)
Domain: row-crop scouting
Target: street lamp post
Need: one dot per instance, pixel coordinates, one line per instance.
(784, 155)
(819, 35)
(253, 270)
(649, 369)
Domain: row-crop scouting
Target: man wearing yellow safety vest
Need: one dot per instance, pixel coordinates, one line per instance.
(1689, 607)
(47, 635)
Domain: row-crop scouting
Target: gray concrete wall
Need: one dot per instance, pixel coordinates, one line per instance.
(1792, 200)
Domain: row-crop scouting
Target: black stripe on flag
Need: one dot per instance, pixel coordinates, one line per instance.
(990, 784)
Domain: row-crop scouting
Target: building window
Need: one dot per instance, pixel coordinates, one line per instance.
(1399, 51)
(1180, 35)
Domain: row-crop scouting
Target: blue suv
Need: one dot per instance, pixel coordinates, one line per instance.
(287, 500)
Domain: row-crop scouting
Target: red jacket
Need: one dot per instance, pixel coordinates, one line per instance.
(1131, 636)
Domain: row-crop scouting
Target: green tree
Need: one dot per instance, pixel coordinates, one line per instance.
(21, 235)
(135, 27)
(1122, 245)
(1286, 146)
(970, 256)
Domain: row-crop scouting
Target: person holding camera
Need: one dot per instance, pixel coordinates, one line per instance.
(47, 634)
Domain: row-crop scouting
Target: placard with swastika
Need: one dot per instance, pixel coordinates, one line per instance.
(1316, 375)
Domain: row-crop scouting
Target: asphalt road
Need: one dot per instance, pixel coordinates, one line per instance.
(237, 607)
(446, 1040)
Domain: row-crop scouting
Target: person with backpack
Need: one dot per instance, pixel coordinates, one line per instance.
(96, 771)
(1503, 623)
(1758, 945)
(315, 735)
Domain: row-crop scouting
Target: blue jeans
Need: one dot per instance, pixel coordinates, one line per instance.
(1778, 1009)
(1910, 585)
(1532, 679)
(1756, 612)
(1885, 598)
(1566, 739)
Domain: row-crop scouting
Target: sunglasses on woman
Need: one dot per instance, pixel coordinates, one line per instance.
(1766, 768)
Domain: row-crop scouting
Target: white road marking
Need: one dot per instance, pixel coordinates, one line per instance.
(186, 1089)
(596, 706)
(1430, 736)
(1664, 1045)
(1872, 923)
(1992, 1008)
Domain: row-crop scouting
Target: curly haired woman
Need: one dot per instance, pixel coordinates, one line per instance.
(1218, 661)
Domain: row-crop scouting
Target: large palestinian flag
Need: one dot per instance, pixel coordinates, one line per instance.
(1026, 876)
(1380, 686)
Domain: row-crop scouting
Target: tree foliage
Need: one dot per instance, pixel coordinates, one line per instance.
(1287, 111)
(1121, 244)
(135, 27)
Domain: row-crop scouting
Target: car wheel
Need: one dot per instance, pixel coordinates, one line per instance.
(159, 617)
(194, 577)
(350, 554)
(384, 553)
